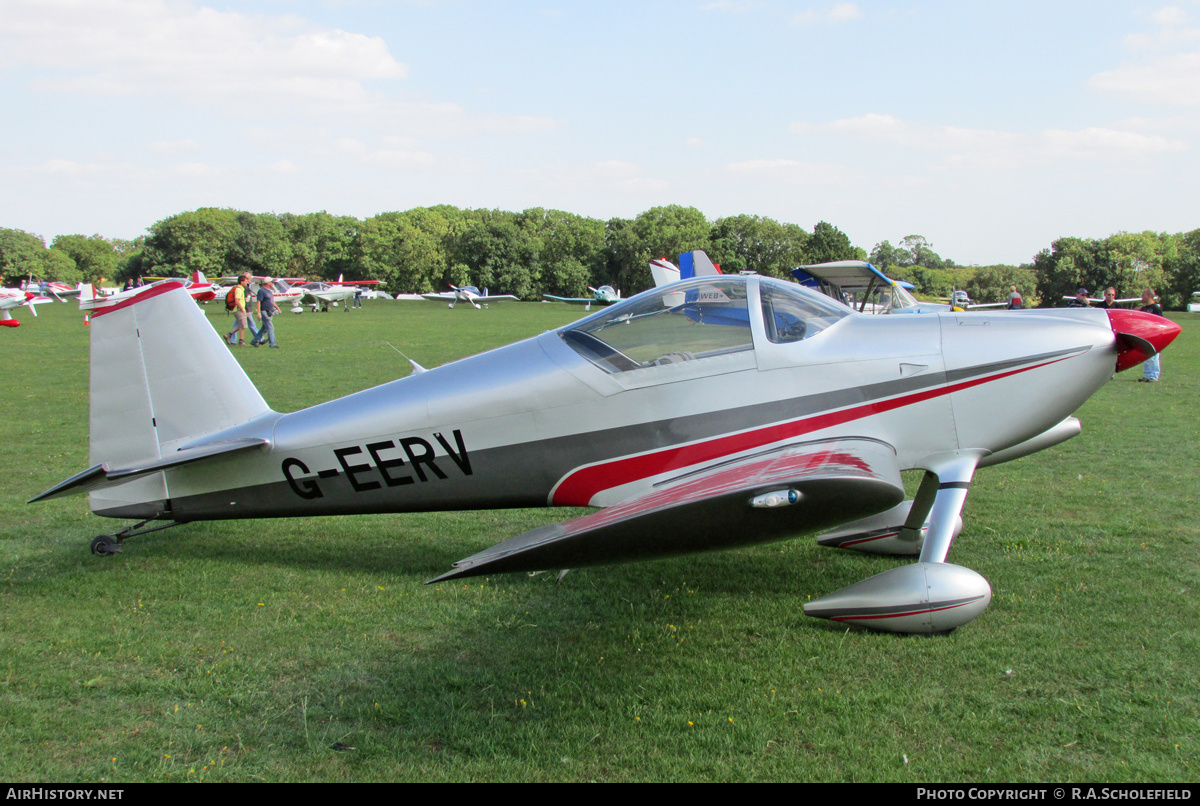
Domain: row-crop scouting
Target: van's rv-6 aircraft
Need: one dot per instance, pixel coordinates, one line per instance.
(712, 413)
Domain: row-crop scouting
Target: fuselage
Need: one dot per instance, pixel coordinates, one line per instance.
(558, 420)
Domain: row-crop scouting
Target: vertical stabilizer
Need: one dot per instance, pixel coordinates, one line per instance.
(160, 377)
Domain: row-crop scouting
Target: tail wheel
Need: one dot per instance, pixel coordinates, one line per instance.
(105, 546)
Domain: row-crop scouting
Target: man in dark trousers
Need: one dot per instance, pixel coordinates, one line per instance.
(267, 310)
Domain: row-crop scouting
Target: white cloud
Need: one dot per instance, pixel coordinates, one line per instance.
(991, 149)
(195, 169)
(607, 176)
(1164, 67)
(174, 146)
(1172, 80)
(732, 6)
(241, 65)
(842, 12)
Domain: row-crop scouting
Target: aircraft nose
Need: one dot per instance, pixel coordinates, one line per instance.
(1140, 335)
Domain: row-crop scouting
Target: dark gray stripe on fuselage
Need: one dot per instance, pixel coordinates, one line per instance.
(523, 474)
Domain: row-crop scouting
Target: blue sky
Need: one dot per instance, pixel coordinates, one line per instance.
(991, 128)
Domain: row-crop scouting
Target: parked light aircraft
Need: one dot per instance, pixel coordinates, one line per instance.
(1094, 300)
(863, 287)
(960, 300)
(467, 293)
(691, 264)
(12, 298)
(604, 295)
(1194, 305)
(56, 289)
(332, 292)
(712, 413)
(198, 288)
(201, 288)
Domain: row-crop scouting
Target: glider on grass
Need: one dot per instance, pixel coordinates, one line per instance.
(12, 298)
(712, 413)
(467, 293)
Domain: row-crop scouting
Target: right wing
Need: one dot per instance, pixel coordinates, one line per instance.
(722, 506)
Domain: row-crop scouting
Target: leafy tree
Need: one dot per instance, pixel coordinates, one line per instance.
(187, 242)
(884, 256)
(501, 255)
(922, 253)
(57, 265)
(828, 243)
(93, 257)
(753, 243)
(1182, 266)
(21, 256)
(259, 246)
(994, 283)
(570, 250)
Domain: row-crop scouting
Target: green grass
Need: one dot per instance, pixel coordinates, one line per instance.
(242, 651)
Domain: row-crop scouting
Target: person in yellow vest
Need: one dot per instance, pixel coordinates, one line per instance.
(239, 312)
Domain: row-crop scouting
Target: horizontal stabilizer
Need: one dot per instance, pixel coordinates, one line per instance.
(785, 492)
(103, 475)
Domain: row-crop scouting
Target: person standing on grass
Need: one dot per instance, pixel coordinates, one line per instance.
(266, 312)
(1152, 366)
(1014, 300)
(239, 312)
(1110, 299)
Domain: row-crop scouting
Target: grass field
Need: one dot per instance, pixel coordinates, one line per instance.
(308, 649)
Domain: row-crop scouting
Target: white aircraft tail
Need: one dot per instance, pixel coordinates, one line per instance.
(161, 378)
(663, 271)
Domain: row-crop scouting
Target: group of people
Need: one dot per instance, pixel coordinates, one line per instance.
(265, 307)
(1152, 366)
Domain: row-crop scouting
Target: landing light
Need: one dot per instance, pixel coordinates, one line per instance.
(776, 498)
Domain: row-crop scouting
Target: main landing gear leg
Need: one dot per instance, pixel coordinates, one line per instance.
(108, 545)
(930, 596)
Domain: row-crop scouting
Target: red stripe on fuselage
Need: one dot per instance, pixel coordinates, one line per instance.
(152, 291)
(579, 487)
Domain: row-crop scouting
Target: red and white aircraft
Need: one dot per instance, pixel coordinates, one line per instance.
(12, 298)
(712, 413)
(199, 288)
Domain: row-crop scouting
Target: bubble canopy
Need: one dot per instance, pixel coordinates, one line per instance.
(698, 319)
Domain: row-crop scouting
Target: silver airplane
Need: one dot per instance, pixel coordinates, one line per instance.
(467, 293)
(712, 413)
(604, 295)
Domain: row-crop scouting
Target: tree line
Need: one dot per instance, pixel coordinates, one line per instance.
(538, 251)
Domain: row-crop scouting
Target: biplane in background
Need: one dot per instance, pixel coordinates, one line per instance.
(863, 287)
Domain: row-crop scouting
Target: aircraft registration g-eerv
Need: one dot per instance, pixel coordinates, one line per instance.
(712, 413)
